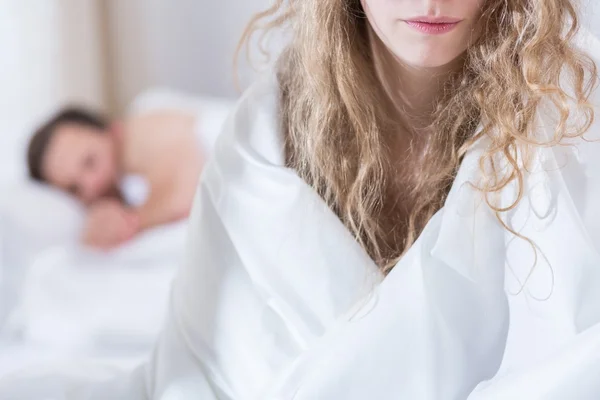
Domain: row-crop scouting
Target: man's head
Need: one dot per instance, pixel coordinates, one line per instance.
(75, 151)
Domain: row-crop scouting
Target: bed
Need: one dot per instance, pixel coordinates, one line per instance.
(77, 303)
(61, 301)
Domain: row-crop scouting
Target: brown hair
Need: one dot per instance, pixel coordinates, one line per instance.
(336, 132)
(39, 142)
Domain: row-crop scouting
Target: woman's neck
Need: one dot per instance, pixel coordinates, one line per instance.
(413, 91)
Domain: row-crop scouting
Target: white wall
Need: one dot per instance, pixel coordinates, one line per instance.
(89, 52)
(186, 44)
(49, 56)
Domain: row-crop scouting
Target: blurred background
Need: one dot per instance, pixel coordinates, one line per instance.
(103, 53)
(58, 301)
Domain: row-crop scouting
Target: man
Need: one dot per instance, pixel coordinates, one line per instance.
(84, 154)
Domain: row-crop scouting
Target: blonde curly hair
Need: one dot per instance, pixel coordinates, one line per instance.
(337, 134)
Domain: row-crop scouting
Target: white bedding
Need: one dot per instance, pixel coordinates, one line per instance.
(77, 303)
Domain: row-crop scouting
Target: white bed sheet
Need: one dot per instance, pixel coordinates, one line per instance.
(78, 303)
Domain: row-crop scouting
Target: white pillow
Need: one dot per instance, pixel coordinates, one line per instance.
(36, 216)
(33, 218)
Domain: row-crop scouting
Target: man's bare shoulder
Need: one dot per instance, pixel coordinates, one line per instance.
(160, 123)
(156, 136)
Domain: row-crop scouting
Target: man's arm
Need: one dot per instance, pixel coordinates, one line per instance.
(109, 224)
(166, 204)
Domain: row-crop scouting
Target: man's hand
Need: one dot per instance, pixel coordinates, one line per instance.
(109, 224)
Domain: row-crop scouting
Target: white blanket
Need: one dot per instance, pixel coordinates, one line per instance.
(277, 301)
(75, 302)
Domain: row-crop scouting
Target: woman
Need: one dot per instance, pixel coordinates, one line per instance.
(394, 215)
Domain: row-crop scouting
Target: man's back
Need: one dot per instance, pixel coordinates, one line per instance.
(162, 146)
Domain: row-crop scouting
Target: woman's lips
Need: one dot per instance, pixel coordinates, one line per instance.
(432, 26)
